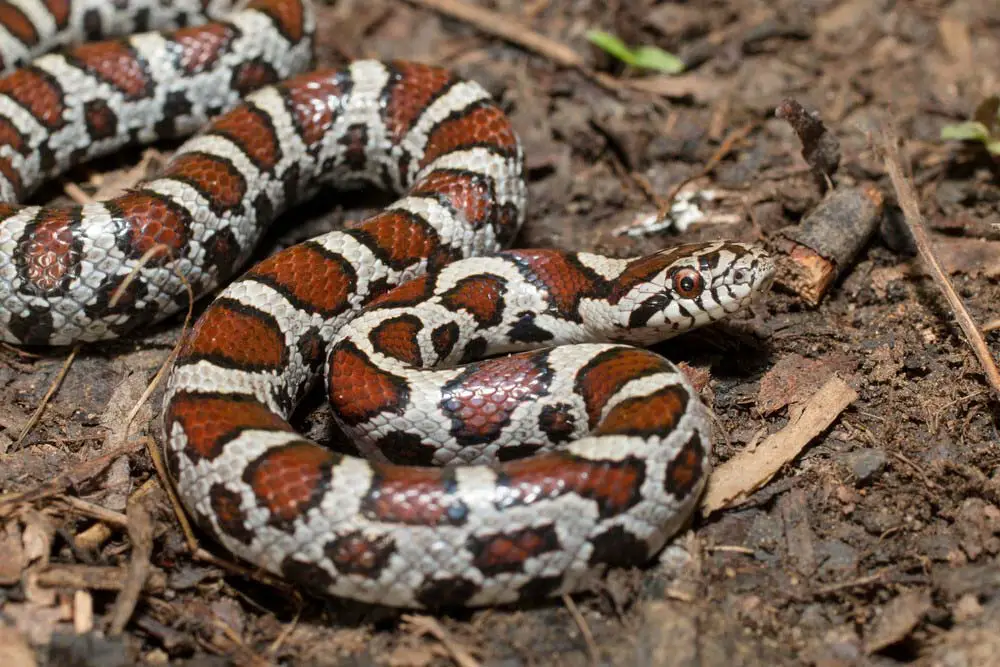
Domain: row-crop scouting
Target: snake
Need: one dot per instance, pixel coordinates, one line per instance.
(513, 437)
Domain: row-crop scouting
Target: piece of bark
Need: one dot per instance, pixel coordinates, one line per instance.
(820, 148)
(740, 476)
(827, 241)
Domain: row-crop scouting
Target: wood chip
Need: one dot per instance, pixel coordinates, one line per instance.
(140, 532)
(799, 538)
(825, 245)
(83, 612)
(897, 619)
(12, 557)
(743, 474)
(971, 257)
(15, 650)
(95, 578)
(428, 625)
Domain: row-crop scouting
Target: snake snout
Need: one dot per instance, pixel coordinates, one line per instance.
(763, 276)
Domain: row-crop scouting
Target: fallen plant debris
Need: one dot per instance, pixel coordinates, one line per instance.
(638, 57)
(889, 146)
(875, 543)
(737, 478)
(825, 244)
(984, 128)
(820, 147)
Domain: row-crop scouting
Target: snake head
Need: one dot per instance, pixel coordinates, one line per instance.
(688, 286)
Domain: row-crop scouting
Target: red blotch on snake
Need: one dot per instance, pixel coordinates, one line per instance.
(614, 485)
(359, 389)
(357, 553)
(397, 338)
(479, 125)
(415, 88)
(60, 10)
(686, 469)
(482, 296)
(209, 422)
(155, 221)
(287, 16)
(290, 479)
(201, 46)
(468, 194)
(312, 104)
(480, 401)
(215, 178)
(609, 371)
(654, 415)
(566, 282)
(17, 23)
(507, 552)
(314, 280)
(38, 93)
(102, 123)
(398, 238)
(414, 496)
(237, 337)
(115, 63)
(251, 130)
(47, 255)
(408, 294)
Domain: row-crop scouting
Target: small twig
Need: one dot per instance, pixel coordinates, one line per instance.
(62, 481)
(140, 533)
(95, 511)
(843, 585)
(21, 353)
(165, 366)
(732, 548)
(581, 622)
(992, 325)
(76, 193)
(516, 32)
(254, 574)
(37, 415)
(286, 632)
(154, 452)
(428, 625)
(507, 28)
(928, 482)
(915, 221)
(130, 278)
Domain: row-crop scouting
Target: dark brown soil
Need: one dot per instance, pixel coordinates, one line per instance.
(878, 545)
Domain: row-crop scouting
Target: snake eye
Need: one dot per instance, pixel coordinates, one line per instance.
(688, 283)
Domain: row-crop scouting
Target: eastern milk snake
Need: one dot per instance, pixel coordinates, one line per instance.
(618, 439)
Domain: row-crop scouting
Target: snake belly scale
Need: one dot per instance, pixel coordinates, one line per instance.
(525, 442)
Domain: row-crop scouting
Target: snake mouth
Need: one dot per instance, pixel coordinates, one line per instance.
(763, 281)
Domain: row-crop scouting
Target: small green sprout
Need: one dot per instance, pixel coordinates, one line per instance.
(984, 128)
(640, 57)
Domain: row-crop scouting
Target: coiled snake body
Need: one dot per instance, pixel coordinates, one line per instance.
(571, 453)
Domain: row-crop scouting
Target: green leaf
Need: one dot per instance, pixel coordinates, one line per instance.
(655, 58)
(969, 130)
(986, 113)
(611, 45)
(645, 57)
(993, 147)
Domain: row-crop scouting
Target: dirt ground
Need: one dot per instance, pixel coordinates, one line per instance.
(877, 545)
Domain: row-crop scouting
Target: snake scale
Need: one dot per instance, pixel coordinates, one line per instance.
(525, 443)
